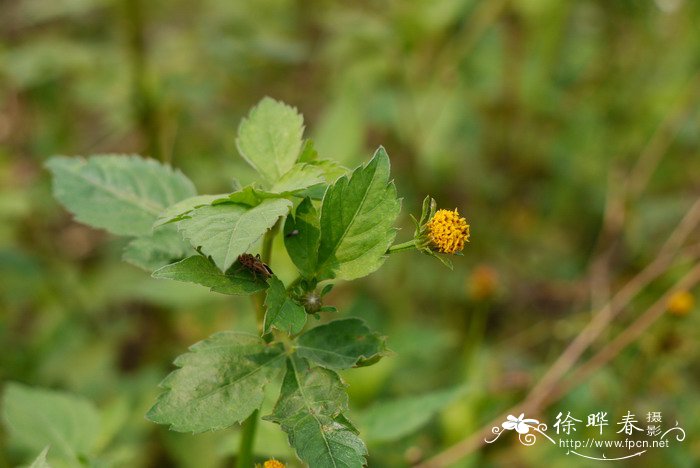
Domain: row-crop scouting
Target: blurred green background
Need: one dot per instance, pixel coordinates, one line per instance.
(528, 115)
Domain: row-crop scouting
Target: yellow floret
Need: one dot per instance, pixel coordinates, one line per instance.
(273, 464)
(680, 303)
(448, 231)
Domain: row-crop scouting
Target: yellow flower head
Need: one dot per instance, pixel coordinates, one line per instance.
(448, 231)
(272, 463)
(680, 303)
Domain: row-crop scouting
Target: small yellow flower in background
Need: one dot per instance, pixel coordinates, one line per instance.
(680, 303)
(448, 231)
(272, 463)
(483, 282)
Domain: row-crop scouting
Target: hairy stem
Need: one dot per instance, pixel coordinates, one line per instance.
(265, 257)
(245, 449)
(143, 101)
(266, 254)
(250, 425)
(475, 333)
(410, 245)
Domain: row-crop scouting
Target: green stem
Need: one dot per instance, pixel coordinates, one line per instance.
(245, 450)
(294, 283)
(265, 257)
(266, 254)
(250, 425)
(476, 332)
(410, 245)
(143, 101)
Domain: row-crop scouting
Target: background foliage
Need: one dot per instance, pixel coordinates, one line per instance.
(526, 114)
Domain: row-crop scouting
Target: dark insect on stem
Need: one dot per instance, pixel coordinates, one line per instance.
(255, 265)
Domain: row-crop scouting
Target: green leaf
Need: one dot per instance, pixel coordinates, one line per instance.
(357, 218)
(40, 461)
(161, 248)
(35, 418)
(301, 176)
(309, 178)
(179, 210)
(308, 152)
(310, 410)
(282, 313)
(226, 231)
(121, 194)
(391, 420)
(219, 383)
(251, 195)
(331, 169)
(269, 139)
(301, 237)
(200, 270)
(341, 344)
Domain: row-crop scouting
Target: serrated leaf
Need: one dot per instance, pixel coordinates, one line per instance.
(357, 218)
(251, 195)
(301, 237)
(387, 421)
(301, 176)
(40, 460)
(331, 170)
(270, 138)
(121, 194)
(341, 344)
(200, 270)
(164, 246)
(310, 410)
(219, 383)
(282, 313)
(35, 418)
(226, 231)
(309, 178)
(179, 210)
(308, 152)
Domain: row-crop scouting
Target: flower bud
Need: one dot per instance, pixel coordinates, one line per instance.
(312, 302)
